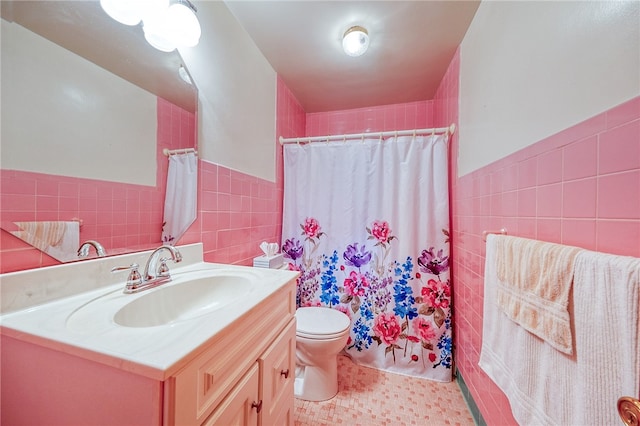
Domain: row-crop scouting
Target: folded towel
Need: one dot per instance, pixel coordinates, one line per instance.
(43, 234)
(534, 284)
(58, 239)
(547, 387)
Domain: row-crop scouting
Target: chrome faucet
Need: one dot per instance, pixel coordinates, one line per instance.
(161, 270)
(83, 251)
(156, 271)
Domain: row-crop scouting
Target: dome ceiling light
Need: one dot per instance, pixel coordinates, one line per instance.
(166, 24)
(355, 41)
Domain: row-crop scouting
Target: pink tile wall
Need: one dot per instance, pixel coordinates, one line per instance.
(445, 101)
(579, 187)
(239, 211)
(115, 214)
(407, 116)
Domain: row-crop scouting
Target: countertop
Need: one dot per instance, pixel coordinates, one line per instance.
(83, 324)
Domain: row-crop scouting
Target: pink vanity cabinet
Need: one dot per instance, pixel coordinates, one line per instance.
(242, 375)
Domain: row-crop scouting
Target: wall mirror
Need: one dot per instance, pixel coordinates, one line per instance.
(82, 30)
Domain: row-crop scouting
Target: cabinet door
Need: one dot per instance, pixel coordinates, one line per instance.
(277, 369)
(241, 406)
(203, 381)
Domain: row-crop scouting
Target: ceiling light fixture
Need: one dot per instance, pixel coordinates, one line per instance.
(355, 41)
(167, 24)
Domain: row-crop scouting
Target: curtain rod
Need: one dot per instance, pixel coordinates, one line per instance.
(450, 130)
(169, 152)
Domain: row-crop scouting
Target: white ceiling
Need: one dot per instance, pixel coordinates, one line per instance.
(412, 43)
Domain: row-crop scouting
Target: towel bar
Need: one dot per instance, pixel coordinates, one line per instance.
(502, 231)
(169, 152)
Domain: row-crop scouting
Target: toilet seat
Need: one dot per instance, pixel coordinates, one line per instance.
(321, 323)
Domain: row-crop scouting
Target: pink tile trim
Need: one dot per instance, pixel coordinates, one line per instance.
(623, 113)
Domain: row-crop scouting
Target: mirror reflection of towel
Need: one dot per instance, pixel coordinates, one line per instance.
(58, 239)
(181, 198)
(42, 234)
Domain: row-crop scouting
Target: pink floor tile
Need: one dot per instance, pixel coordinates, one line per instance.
(371, 397)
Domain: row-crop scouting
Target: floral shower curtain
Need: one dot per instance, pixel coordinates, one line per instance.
(366, 222)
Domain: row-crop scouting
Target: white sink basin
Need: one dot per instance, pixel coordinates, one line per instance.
(189, 295)
(182, 301)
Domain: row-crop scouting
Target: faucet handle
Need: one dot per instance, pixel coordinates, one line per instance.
(134, 278)
(163, 268)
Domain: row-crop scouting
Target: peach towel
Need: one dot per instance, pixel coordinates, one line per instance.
(43, 234)
(535, 280)
(58, 239)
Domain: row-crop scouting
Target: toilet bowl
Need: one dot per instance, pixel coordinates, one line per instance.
(321, 333)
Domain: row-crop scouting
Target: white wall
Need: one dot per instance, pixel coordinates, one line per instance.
(531, 69)
(236, 94)
(63, 115)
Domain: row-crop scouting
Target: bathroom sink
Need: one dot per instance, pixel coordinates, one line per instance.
(182, 300)
(189, 295)
(153, 332)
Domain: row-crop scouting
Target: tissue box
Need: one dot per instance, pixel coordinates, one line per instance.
(272, 262)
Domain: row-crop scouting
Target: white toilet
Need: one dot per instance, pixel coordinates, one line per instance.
(321, 333)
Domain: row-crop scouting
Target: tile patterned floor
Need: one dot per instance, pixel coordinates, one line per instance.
(372, 397)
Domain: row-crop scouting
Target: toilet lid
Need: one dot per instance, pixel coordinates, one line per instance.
(321, 322)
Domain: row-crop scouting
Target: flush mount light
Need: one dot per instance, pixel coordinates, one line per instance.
(167, 24)
(355, 41)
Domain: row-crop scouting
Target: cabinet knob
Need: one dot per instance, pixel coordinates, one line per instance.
(285, 373)
(257, 406)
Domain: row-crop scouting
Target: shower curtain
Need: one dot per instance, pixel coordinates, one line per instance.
(366, 223)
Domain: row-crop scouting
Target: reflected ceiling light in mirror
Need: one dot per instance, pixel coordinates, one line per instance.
(157, 30)
(175, 26)
(131, 12)
(166, 24)
(186, 29)
(355, 41)
(184, 75)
